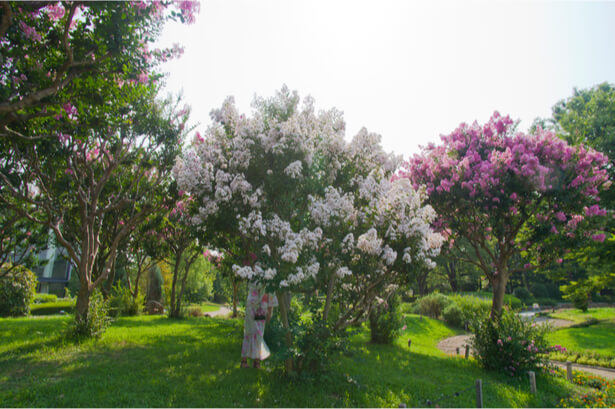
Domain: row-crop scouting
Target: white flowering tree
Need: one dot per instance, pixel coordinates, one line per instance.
(309, 210)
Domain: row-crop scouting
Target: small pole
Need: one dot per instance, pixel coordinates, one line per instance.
(409, 342)
(569, 370)
(479, 393)
(457, 350)
(532, 382)
(467, 351)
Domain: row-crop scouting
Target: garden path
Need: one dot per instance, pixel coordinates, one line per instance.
(222, 312)
(450, 345)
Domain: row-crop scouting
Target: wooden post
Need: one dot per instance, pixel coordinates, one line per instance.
(457, 350)
(532, 382)
(467, 351)
(569, 371)
(479, 393)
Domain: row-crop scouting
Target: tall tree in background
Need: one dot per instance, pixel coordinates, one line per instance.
(508, 193)
(588, 117)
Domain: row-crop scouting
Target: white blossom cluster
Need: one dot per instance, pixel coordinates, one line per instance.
(253, 176)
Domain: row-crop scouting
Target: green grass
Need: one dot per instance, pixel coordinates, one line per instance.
(590, 341)
(599, 338)
(152, 361)
(579, 316)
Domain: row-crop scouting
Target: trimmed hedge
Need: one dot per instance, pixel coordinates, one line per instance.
(51, 308)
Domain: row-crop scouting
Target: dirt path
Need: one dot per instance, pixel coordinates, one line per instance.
(450, 345)
(222, 312)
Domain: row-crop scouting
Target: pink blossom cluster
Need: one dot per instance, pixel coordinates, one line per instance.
(29, 32)
(506, 177)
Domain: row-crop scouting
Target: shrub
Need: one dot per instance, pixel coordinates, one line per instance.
(314, 342)
(523, 294)
(96, 323)
(453, 315)
(406, 308)
(385, 321)
(472, 308)
(194, 312)
(17, 291)
(510, 345)
(68, 306)
(432, 305)
(122, 303)
(45, 298)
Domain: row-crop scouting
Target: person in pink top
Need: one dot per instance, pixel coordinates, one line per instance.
(259, 307)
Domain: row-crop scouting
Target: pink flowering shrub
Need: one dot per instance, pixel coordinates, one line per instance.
(510, 345)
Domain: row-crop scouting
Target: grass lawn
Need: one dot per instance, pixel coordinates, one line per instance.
(589, 340)
(152, 361)
(579, 316)
(598, 338)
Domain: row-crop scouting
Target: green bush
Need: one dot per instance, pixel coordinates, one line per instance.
(50, 308)
(523, 294)
(510, 345)
(122, 303)
(432, 305)
(472, 308)
(453, 315)
(17, 291)
(45, 298)
(95, 324)
(385, 321)
(406, 308)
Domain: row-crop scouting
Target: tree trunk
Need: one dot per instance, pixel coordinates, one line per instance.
(451, 272)
(499, 289)
(284, 303)
(173, 313)
(325, 314)
(235, 284)
(82, 306)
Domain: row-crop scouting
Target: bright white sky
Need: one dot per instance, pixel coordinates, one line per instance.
(408, 70)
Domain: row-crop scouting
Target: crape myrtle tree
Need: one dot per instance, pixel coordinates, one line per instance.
(508, 193)
(86, 137)
(46, 47)
(307, 209)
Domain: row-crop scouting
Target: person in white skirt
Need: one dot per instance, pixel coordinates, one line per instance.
(259, 307)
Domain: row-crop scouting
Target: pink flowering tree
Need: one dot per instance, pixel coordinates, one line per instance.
(49, 49)
(509, 193)
(92, 154)
(299, 209)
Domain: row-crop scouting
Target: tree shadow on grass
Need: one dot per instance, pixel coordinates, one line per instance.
(199, 367)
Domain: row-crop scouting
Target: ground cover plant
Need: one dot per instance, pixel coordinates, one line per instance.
(152, 361)
(600, 395)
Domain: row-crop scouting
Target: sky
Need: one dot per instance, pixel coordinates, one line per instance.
(407, 70)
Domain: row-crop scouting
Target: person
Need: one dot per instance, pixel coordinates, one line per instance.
(259, 307)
